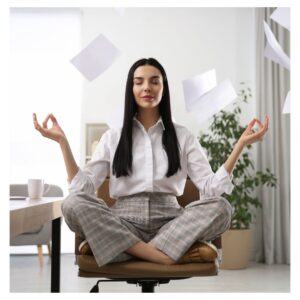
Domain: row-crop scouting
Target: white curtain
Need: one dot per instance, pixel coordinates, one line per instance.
(272, 228)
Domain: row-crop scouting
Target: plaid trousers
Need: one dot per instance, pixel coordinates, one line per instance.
(150, 217)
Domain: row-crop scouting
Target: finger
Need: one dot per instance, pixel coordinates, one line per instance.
(259, 134)
(43, 131)
(35, 122)
(34, 118)
(251, 124)
(266, 122)
(259, 123)
(38, 127)
(261, 126)
(53, 119)
(46, 121)
(265, 125)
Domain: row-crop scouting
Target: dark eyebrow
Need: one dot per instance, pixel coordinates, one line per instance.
(153, 77)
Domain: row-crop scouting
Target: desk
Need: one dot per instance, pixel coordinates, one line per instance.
(27, 214)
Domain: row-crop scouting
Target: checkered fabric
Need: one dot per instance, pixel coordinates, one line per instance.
(150, 217)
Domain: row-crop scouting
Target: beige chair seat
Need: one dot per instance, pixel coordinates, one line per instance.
(142, 269)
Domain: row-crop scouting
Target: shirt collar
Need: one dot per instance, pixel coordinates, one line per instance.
(158, 123)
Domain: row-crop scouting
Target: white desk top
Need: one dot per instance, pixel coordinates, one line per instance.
(28, 214)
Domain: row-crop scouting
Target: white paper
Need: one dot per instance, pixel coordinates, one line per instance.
(94, 59)
(197, 86)
(282, 16)
(273, 50)
(287, 104)
(214, 101)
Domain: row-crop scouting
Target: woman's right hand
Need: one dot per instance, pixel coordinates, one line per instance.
(54, 133)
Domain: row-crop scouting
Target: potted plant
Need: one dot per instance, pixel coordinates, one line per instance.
(225, 130)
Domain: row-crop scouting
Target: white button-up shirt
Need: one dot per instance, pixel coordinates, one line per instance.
(150, 165)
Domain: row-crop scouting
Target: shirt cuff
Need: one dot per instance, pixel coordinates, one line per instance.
(225, 179)
(77, 183)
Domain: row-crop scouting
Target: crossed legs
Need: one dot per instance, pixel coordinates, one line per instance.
(203, 220)
(149, 252)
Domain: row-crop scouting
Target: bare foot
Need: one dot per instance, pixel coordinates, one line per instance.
(166, 260)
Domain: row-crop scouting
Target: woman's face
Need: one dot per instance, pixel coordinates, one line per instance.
(147, 86)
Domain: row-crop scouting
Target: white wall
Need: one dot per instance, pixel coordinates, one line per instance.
(187, 41)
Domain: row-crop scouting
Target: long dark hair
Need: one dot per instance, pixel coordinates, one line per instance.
(122, 164)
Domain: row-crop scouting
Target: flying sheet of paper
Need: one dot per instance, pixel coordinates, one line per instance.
(273, 50)
(214, 101)
(197, 86)
(282, 16)
(287, 104)
(94, 59)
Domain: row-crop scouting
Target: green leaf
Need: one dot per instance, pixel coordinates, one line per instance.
(225, 129)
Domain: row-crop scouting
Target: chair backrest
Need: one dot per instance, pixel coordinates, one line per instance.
(22, 190)
(190, 194)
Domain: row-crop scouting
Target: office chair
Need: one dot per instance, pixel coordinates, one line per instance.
(145, 274)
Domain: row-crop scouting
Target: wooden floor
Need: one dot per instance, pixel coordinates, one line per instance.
(27, 276)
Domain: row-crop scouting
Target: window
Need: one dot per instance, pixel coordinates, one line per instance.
(42, 80)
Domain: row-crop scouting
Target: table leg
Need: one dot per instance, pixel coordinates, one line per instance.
(55, 259)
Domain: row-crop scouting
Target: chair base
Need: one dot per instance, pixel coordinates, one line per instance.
(147, 284)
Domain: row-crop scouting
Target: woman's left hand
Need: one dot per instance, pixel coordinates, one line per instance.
(250, 136)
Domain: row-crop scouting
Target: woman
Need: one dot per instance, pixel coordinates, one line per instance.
(148, 161)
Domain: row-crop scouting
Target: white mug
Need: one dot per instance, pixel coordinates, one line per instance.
(36, 188)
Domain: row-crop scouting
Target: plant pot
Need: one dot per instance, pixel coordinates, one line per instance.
(235, 249)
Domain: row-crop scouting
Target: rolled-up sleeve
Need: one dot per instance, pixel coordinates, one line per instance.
(200, 172)
(95, 171)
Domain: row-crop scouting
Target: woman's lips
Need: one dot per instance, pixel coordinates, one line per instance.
(148, 98)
